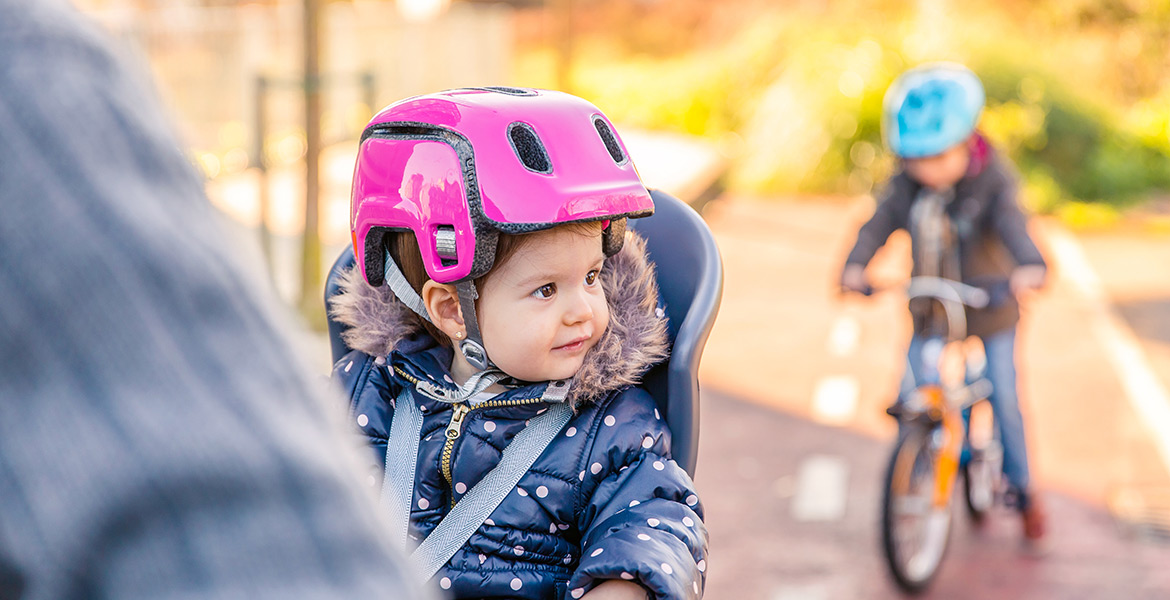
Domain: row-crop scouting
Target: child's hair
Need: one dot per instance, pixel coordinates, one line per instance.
(403, 247)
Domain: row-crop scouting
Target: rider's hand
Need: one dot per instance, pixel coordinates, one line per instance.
(616, 589)
(1027, 278)
(853, 279)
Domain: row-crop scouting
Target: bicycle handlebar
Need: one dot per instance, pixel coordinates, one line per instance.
(952, 295)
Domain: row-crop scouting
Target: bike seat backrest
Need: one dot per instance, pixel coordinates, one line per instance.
(690, 280)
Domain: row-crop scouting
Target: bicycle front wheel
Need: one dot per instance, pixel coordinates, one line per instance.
(915, 532)
(983, 472)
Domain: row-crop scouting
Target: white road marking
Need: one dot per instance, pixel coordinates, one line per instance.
(835, 399)
(811, 591)
(1145, 392)
(844, 336)
(822, 484)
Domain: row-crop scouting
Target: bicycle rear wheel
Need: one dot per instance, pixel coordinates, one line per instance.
(914, 532)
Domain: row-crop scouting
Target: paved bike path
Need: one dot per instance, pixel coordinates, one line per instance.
(796, 377)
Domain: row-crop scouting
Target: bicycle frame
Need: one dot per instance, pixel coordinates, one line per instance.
(932, 430)
(943, 404)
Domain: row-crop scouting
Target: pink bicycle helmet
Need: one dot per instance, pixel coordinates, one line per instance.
(460, 167)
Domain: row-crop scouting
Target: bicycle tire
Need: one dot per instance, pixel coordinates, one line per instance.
(912, 468)
(982, 476)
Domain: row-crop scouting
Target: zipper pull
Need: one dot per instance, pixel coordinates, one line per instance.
(458, 411)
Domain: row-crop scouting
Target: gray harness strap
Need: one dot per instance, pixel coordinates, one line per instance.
(398, 479)
(483, 498)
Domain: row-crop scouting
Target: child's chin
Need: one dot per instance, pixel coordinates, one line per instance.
(552, 373)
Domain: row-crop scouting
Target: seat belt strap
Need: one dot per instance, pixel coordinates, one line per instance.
(482, 499)
(401, 462)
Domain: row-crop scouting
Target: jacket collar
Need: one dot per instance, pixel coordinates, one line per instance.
(636, 339)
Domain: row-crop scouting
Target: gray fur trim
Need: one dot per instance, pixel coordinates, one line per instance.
(377, 320)
(635, 340)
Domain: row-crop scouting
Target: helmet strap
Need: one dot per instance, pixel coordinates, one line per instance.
(402, 288)
(472, 347)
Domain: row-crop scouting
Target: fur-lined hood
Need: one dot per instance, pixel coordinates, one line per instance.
(635, 340)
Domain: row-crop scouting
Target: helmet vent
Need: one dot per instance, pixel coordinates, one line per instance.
(528, 147)
(512, 91)
(609, 139)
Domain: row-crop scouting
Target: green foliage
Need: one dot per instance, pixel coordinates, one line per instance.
(802, 93)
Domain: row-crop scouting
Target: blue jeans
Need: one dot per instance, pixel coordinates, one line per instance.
(999, 349)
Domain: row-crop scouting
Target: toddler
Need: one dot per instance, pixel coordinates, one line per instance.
(496, 288)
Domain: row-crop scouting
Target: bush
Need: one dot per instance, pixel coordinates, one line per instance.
(803, 94)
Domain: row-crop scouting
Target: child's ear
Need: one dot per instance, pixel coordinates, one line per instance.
(442, 303)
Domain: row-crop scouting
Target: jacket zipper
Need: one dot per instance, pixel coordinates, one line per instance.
(459, 413)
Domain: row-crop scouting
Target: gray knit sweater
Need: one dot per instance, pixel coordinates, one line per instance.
(158, 438)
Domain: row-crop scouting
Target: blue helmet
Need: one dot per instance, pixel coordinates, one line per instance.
(931, 108)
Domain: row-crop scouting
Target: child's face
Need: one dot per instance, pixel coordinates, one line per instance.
(940, 171)
(544, 308)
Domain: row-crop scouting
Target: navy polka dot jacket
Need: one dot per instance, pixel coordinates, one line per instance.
(604, 501)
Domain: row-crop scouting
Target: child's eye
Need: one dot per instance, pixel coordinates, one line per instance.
(591, 277)
(545, 291)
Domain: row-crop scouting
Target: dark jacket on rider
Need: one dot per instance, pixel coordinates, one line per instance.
(604, 501)
(983, 237)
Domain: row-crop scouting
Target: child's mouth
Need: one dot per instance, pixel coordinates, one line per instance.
(574, 345)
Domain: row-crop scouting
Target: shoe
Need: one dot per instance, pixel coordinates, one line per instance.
(1035, 526)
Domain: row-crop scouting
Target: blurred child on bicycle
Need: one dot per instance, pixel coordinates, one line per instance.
(957, 198)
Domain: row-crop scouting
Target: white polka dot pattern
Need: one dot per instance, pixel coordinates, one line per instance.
(692, 500)
(423, 503)
(445, 583)
(634, 503)
(581, 476)
(482, 558)
(689, 522)
(695, 585)
(702, 566)
(666, 569)
(489, 522)
(489, 426)
(597, 552)
(372, 481)
(516, 583)
(363, 420)
(595, 468)
(610, 421)
(627, 576)
(522, 492)
(570, 432)
(656, 415)
(541, 492)
(653, 522)
(518, 550)
(658, 466)
(461, 487)
(577, 593)
(647, 442)
(568, 559)
(643, 537)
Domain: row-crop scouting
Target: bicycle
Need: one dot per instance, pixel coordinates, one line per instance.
(926, 460)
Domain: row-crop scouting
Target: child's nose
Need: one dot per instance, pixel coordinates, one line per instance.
(579, 308)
